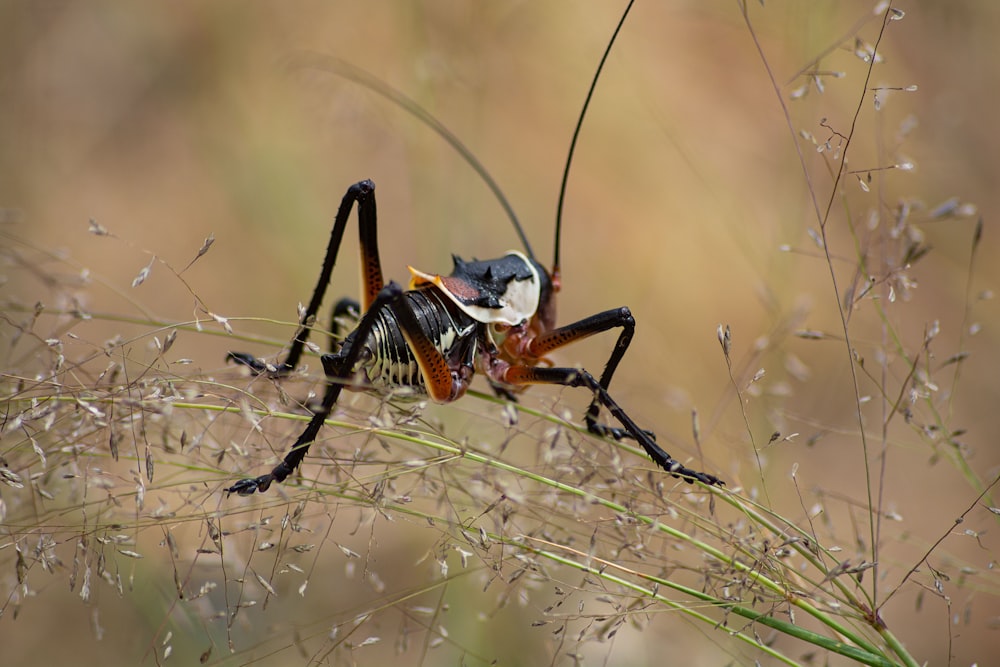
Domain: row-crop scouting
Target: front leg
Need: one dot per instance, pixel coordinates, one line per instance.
(578, 377)
(544, 343)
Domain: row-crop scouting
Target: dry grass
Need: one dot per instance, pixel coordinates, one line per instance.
(756, 170)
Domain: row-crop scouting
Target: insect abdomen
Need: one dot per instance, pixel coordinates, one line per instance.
(390, 363)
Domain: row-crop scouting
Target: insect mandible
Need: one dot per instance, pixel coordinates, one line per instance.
(494, 316)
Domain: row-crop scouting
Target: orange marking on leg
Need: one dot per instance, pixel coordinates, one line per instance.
(520, 375)
(371, 279)
(434, 368)
(553, 340)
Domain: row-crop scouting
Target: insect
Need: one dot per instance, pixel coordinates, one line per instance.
(495, 317)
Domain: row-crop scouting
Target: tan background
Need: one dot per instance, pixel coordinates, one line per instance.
(166, 122)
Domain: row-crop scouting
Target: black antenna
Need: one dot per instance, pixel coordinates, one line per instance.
(334, 65)
(576, 134)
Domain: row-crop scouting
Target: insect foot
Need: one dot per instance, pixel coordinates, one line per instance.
(689, 475)
(248, 487)
(675, 467)
(648, 441)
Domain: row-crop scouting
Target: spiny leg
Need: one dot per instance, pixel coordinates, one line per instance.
(595, 324)
(339, 370)
(364, 194)
(574, 377)
(247, 487)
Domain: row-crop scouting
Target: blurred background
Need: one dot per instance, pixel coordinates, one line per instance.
(169, 122)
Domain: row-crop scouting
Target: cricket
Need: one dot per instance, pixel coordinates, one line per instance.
(495, 317)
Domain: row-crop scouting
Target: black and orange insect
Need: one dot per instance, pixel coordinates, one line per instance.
(495, 317)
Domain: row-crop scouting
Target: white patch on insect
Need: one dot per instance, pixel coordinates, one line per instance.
(390, 373)
(451, 335)
(518, 303)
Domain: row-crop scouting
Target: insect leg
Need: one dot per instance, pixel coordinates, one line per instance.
(345, 318)
(609, 319)
(364, 194)
(444, 381)
(339, 368)
(576, 377)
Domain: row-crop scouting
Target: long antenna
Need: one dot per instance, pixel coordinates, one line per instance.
(576, 134)
(334, 65)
